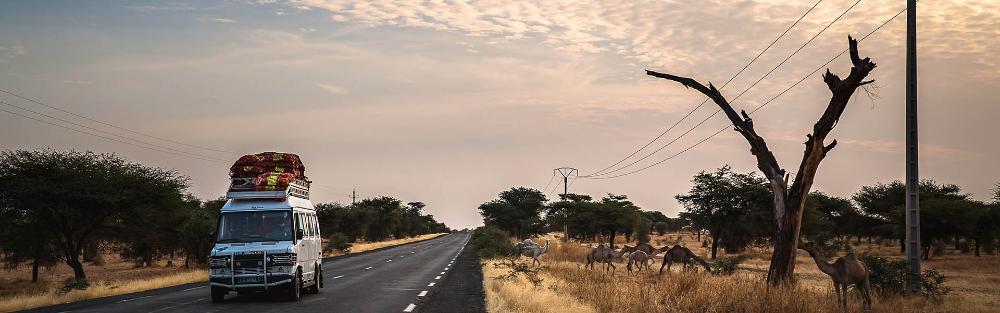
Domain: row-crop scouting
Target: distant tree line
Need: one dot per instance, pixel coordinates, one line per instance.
(735, 208)
(70, 207)
(375, 219)
(736, 211)
(524, 212)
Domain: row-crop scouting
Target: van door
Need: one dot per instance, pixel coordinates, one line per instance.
(306, 246)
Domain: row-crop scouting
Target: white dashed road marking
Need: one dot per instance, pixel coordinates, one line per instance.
(409, 308)
(199, 287)
(368, 268)
(430, 285)
(339, 276)
(442, 273)
(422, 293)
(143, 297)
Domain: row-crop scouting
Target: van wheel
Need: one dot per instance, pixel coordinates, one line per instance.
(295, 288)
(218, 294)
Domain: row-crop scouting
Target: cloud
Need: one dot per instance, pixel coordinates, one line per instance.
(334, 89)
(223, 20)
(679, 36)
(162, 7)
(10, 52)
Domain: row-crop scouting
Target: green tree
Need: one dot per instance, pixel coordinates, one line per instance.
(515, 211)
(200, 220)
(733, 207)
(943, 207)
(81, 197)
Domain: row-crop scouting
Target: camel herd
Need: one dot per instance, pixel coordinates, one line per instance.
(844, 271)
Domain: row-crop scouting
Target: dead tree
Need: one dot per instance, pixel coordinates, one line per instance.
(789, 201)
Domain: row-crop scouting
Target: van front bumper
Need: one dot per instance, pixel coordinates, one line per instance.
(229, 282)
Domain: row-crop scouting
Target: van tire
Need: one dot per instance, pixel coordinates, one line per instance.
(295, 288)
(218, 294)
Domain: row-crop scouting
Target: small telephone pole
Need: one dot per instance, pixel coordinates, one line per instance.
(566, 172)
(912, 179)
(354, 196)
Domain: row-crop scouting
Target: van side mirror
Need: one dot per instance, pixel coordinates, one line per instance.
(299, 234)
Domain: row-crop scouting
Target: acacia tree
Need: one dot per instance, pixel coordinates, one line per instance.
(789, 201)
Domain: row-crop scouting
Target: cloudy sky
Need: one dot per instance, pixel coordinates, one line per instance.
(451, 102)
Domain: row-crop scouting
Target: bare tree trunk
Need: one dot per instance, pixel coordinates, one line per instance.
(790, 200)
(34, 270)
(715, 243)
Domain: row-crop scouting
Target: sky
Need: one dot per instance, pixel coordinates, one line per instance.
(450, 103)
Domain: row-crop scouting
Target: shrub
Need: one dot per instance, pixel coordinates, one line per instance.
(932, 284)
(338, 241)
(518, 268)
(492, 242)
(888, 277)
(728, 265)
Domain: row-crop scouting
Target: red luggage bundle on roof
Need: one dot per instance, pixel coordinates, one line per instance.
(255, 165)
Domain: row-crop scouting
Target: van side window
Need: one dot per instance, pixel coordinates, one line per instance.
(312, 224)
(307, 221)
(316, 224)
(298, 223)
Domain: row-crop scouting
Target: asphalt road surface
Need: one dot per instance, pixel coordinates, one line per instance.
(397, 279)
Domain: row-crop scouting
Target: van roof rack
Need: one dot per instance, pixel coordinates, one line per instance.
(242, 188)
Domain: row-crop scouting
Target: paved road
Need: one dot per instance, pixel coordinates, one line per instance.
(392, 280)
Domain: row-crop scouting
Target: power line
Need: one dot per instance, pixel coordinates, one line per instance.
(758, 107)
(601, 172)
(551, 178)
(737, 96)
(104, 137)
(113, 134)
(111, 125)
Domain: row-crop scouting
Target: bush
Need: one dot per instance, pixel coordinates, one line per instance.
(888, 277)
(728, 265)
(338, 242)
(492, 242)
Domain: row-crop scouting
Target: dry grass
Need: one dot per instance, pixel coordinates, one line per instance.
(99, 289)
(566, 284)
(116, 277)
(517, 295)
(359, 247)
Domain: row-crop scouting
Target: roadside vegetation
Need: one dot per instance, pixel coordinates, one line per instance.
(80, 225)
(727, 220)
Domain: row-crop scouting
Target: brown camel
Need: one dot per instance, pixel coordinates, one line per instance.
(640, 259)
(642, 246)
(680, 254)
(845, 271)
(603, 254)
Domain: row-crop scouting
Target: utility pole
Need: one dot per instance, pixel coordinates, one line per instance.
(912, 179)
(354, 197)
(566, 172)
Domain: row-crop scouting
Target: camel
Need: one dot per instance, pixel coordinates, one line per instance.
(603, 254)
(642, 246)
(845, 271)
(641, 259)
(680, 254)
(533, 251)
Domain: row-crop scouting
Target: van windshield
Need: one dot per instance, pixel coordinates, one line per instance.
(255, 226)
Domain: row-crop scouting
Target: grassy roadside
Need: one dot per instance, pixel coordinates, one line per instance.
(148, 279)
(567, 287)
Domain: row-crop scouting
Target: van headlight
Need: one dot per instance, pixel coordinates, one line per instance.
(219, 262)
(281, 259)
